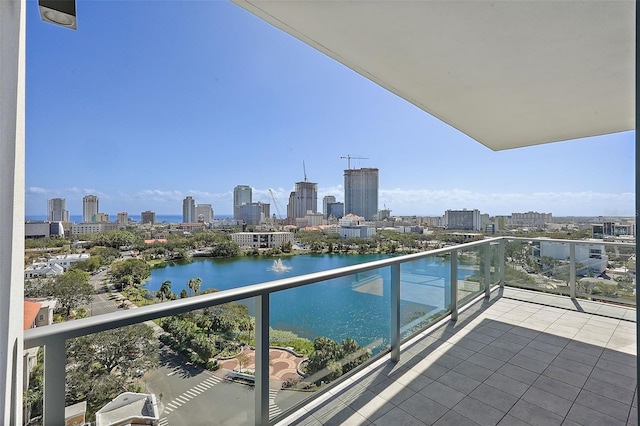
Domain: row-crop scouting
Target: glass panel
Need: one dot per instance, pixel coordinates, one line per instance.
(537, 265)
(495, 263)
(206, 371)
(470, 273)
(321, 331)
(34, 383)
(425, 292)
(606, 272)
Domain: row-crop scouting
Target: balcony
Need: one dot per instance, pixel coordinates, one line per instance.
(454, 346)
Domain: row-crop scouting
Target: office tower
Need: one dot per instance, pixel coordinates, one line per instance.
(335, 209)
(204, 213)
(89, 208)
(361, 192)
(251, 213)
(148, 217)
(326, 200)
(467, 220)
(305, 199)
(188, 210)
(241, 195)
(58, 210)
(123, 218)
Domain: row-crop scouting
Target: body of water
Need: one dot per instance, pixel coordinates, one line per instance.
(356, 306)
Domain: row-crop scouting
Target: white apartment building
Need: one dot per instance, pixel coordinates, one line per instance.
(262, 239)
(92, 227)
(590, 255)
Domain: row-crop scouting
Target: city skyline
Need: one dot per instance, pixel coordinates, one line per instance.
(248, 107)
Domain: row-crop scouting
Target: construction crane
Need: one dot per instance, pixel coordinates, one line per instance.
(348, 157)
(275, 203)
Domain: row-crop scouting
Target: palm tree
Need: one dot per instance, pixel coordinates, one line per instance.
(194, 284)
(165, 290)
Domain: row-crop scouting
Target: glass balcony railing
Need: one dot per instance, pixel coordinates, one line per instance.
(225, 354)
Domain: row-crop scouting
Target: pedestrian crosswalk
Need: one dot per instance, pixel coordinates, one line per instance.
(188, 395)
(274, 410)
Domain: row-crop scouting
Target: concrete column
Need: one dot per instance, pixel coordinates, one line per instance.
(12, 109)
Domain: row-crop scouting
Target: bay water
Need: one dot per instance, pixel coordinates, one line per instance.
(355, 306)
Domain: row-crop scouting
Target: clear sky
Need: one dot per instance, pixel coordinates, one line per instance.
(150, 101)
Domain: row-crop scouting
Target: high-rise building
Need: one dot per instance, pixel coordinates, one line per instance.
(241, 195)
(305, 199)
(204, 213)
(468, 220)
(361, 192)
(327, 199)
(58, 210)
(148, 217)
(123, 218)
(251, 213)
(335, 209)
(189, 210)
(89, 208)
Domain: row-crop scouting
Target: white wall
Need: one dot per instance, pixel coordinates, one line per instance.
(12, 83)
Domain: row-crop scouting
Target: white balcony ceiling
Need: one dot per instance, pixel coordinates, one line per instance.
(506, 73)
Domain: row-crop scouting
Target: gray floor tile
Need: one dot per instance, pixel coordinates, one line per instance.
(610, 391)
(548, 401)
(474, 371)
(399, 417)
(528, 363)
(616, 379)
(520, 374)
(580, 357)
(485, 361)
(619, 357)
(423, 408)
(442, 394)
(589, 417)
(585, 348)
(557, 388)
(534, 415)
(497, 353)
(459, 382)
(616, 367)
(571, 365)
(565, 376)
(604, 405)
(482, 414)
(507, 384)
(509, 420)
(454, 419)
(494, 397)
(545, 347)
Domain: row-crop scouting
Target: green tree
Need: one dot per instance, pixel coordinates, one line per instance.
(137, 269)
(183, 294)
(194, 284)
(165, 290)
(71, 289)
(101, 365)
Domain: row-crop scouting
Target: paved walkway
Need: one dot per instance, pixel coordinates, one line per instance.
(283, 364)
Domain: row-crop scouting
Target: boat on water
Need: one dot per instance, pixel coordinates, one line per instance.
(278, 266)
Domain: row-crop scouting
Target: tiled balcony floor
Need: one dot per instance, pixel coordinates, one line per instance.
(504, 362)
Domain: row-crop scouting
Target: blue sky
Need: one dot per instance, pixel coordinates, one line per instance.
(150, 101)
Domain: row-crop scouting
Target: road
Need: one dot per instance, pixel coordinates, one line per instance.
(102, 303)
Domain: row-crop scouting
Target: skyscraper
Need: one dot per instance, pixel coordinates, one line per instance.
(204, 213)
(148, 217)
(306, 198)
(241, 195)
(361, 192)
(89, 208)
(326, 200)
(188, 210)
(58, 210)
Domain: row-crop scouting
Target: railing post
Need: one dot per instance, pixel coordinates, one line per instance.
(54, 383)
(262, 360)
(394, 323)
(501, 261)
(454, 285)
(487, 270)
(572, 270)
